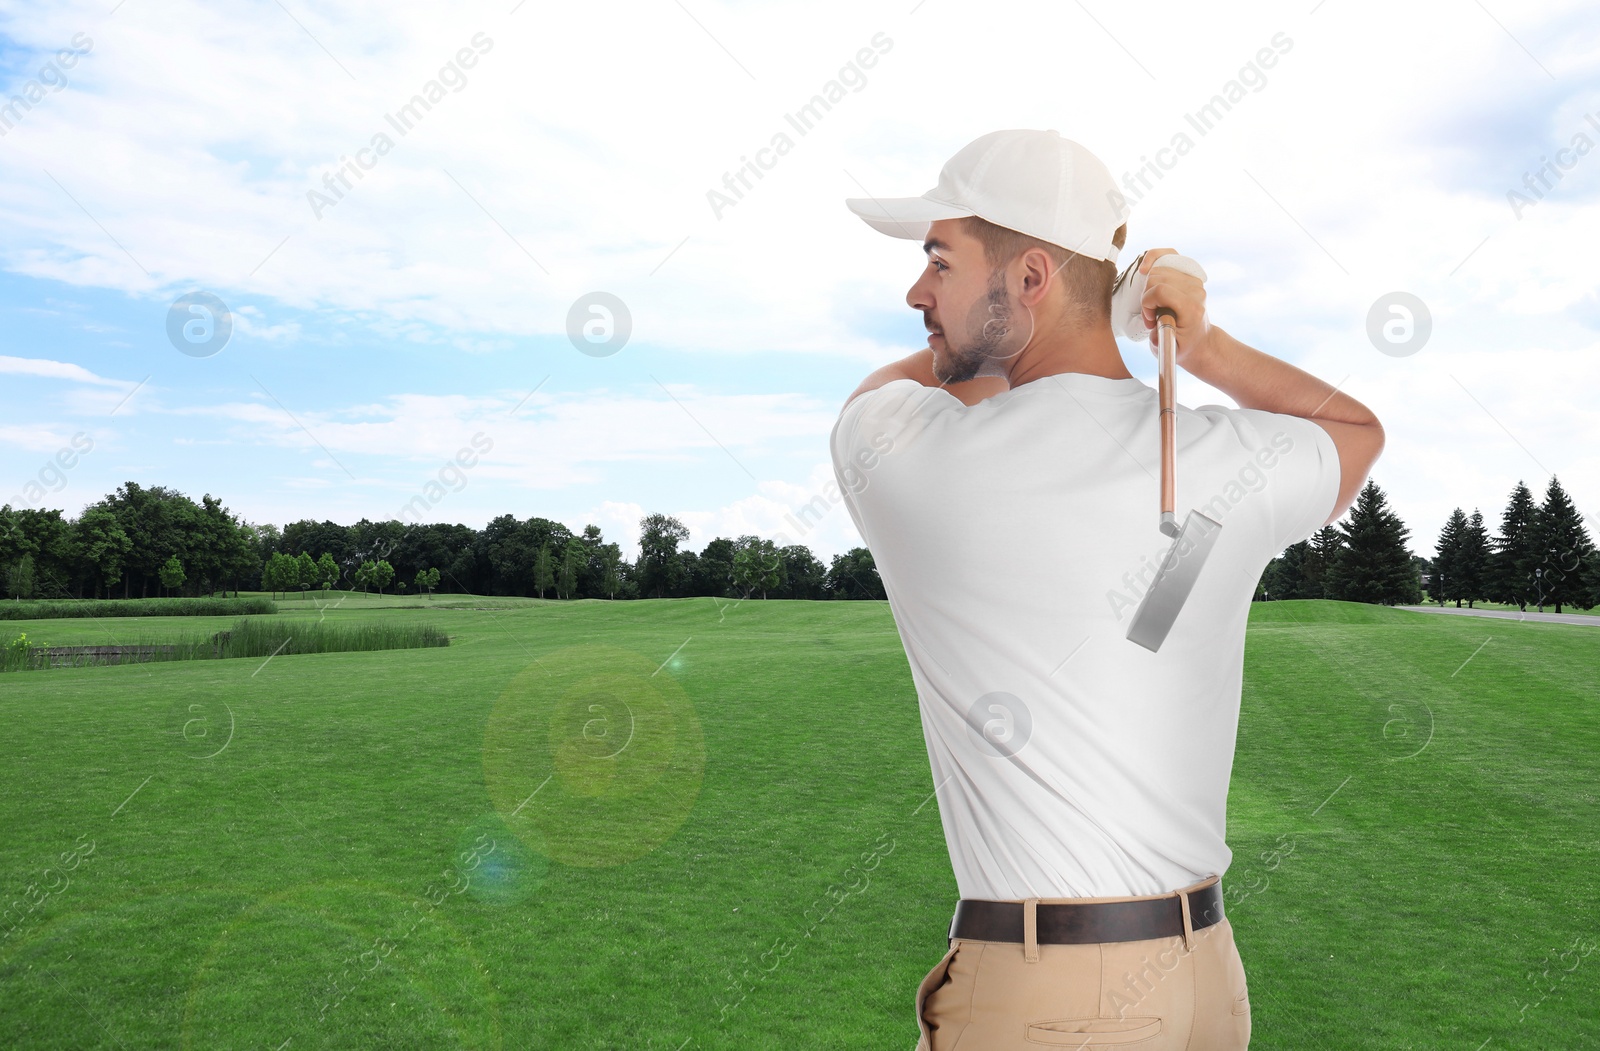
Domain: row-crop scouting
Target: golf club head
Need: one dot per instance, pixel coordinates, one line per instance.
(1174, 580)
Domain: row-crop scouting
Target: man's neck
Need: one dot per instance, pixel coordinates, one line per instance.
(1091, 351)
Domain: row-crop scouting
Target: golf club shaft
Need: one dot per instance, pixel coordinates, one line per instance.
(1167, 337)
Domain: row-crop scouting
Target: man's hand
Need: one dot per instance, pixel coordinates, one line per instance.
(1185, 294)
(1260, 381)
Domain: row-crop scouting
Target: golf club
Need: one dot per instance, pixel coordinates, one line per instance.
(1193, 543)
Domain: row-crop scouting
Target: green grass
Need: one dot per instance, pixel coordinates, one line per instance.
(349, 600)
(136, 607)
(278, 821)
(245, 637)
(1532, 607)
(265, 638)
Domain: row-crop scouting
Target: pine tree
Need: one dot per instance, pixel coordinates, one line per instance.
(1561, 545)
(1511, 563)
(1325, 545)
(1284, 577)
(1474, 568)
(1445, 583)
(1591, 579)
(1374, 564)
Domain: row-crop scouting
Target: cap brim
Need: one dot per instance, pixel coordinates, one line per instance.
(907, 217)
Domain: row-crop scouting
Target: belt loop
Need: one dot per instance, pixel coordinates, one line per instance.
(1030, 930)
(1188, 927)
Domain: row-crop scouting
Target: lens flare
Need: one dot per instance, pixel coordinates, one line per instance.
(591, 757)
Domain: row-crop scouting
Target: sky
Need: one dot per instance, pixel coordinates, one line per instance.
(233, 261)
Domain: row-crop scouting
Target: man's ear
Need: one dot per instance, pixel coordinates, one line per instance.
(1037, 268)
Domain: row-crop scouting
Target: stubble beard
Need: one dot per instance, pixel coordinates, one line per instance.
(988, 324)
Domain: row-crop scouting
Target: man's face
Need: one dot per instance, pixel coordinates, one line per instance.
(966, 307)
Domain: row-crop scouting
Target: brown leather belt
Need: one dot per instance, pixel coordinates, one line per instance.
(1075, 923)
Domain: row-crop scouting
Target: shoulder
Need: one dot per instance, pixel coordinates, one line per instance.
(892, 392)
(896, 399)
(1257, 429)
(889, 417)
(1291, 460)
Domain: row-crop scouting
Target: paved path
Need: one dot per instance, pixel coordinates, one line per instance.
(1510, 614)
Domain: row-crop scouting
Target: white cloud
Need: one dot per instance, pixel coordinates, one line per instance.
(1364, 164)
(35, 439)
(548, 435)
(60, 370)
(249, 322)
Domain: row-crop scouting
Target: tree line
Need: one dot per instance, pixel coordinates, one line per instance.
(1541, 555)
(142, 542)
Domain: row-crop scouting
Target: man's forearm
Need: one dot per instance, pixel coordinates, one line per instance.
(1260, 381)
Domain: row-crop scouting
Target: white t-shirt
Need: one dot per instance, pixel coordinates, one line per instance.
(1015, 538)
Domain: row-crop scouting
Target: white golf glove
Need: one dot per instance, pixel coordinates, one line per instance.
(1127, 310)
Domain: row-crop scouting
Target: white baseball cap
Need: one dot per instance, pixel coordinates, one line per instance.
(1033, 182)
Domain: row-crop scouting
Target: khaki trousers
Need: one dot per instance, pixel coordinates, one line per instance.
(1182, 993)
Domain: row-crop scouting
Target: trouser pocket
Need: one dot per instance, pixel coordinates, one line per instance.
(933, 980)
(1092, 1032)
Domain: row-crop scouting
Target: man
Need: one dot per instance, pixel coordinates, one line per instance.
(1005, 479)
